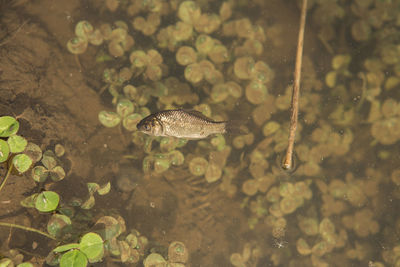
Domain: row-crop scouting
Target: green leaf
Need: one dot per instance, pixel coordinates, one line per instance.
(73, 258)
(53, 258)
(88, 204)
(92, 187)
(33, 151)
(109, 118)
(109, 227)
(4, 150)
(66, 247)
(29, 202)
(131, 121)
(39, 174)
(25, 264)
(22, 162)
(92, 246)
(124, 107)
(58, 224)
(49, 159)
(105, 189)
(154, 259)
(59, 150)
(17, 143)
(8, 126)
(6, 262)
(47, 201)
(57, 174)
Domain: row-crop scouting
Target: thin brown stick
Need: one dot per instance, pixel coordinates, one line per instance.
(26, 228)
(6, 177)
(288, 161)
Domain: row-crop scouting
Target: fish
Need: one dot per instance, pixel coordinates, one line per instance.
(181, 123)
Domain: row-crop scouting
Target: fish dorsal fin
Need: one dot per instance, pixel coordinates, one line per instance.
(197, 114)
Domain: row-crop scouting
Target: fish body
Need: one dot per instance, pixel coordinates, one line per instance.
(180, 123)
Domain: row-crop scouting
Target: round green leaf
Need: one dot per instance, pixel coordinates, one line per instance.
(33, 151)
(59, 150)
(47, 201)
(17, 143)
(57, 174)
(25, 264)
(4, 150)
(39, 174)
(8, 126)
(57, 225)
(73, 258)
(49, 159)
(109, 118)
(92, 246)
(22, 162)
(131, 121)
(154, 259)
(124, 107)
(6, 262)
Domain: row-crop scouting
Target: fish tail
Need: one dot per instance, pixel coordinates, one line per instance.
(236, 127)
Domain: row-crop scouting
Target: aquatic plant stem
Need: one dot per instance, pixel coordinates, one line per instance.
(26, 228)
(5, 178)
(288, 160)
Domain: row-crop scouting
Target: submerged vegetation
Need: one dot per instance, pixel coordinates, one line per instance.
(336, 207)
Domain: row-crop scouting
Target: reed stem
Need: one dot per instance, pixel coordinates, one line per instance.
(288, 160)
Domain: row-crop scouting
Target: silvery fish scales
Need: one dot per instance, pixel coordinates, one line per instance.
(181, 123)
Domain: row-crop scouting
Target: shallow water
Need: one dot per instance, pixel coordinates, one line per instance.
(337, 208)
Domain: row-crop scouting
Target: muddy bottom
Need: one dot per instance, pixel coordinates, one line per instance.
(55, 96)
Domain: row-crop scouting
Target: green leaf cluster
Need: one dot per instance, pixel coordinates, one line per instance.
(50, 168)
(125, 113)
(127, 247)
(93, 188)
(11, 143)
(45, 201)
(89, 249)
